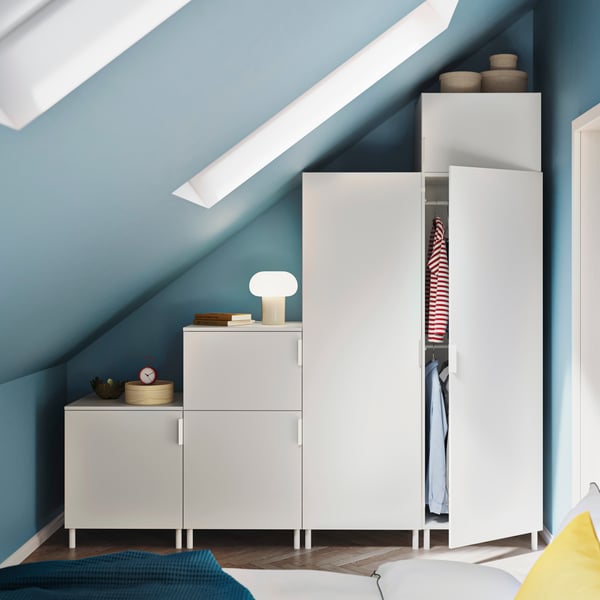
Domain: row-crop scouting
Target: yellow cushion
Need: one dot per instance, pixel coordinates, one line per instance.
(569, 568)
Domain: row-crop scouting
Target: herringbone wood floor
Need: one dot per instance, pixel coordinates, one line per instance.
(345, 552)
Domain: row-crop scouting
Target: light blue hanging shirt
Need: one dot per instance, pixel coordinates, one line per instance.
(436, 429)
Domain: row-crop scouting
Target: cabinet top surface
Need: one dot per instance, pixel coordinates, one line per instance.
(290, 326)
(92, 402)
(456, 95)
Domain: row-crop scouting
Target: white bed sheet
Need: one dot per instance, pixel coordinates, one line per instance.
(410, 579)
(286, 584)
(517, 566)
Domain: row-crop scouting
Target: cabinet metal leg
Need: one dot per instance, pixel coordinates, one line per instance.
(426, 539)
(308, 539)
(178, 539)
(72, 535)
(190, 539)
(534, 541)
(415, 539)
(296, 539)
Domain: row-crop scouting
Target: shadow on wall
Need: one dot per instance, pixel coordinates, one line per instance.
(49, 447)
(31, 455)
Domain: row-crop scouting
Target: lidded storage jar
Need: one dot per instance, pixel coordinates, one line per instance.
(503, 75)
(460, 81)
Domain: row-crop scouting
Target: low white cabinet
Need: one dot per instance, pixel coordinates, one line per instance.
(243, 428)
(226, 456)
(123, 466)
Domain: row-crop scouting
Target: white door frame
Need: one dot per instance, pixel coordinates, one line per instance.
(588, 121)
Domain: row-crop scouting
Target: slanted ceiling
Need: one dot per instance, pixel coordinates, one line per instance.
(89, 228)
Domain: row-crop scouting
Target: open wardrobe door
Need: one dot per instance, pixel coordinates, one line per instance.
(495, 335)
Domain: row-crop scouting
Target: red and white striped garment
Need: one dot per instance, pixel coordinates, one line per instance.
(436, 284)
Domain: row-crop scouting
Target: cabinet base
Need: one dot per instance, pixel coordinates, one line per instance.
(178, 539)
(190, 539)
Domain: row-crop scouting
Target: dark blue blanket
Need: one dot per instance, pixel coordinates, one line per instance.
(125, 576)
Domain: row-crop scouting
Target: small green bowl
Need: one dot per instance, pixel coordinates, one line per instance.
(110, 389)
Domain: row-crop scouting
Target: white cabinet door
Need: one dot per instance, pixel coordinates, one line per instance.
(362, 311)
(495, 423)
(242, 470)
(501, 131)
(244, 370)
(123, 469)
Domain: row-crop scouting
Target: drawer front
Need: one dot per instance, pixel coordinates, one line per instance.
(246, 370)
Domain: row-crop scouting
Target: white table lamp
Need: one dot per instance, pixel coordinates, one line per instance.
(273, 287)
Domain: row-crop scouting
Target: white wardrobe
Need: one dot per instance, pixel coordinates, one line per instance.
(365, 238)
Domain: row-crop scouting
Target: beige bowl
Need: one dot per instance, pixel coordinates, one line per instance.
(460, 81)
(503, 61)
(504, 80)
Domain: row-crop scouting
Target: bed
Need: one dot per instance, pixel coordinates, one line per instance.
(137, 575)
(411, 579)
(569, 567)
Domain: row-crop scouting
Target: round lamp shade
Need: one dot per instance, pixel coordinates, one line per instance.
(273, 284)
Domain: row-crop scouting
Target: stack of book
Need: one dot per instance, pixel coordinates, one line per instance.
(220, 319)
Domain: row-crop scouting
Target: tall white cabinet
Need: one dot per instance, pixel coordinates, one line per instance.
(362, 304)
(365, 241)
(243, 428)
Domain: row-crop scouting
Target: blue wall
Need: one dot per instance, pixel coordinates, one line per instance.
(91, 179)
(219, 281)
(567, 51)
(272, 242)
(31, 455)
(516, 39)
(390, 145)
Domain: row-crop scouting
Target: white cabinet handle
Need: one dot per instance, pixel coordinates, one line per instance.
(299, 353)
(299, 432)
(452, 359)
(180, 432)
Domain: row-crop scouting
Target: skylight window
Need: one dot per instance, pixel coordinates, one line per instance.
(319, 103)
(33, 79)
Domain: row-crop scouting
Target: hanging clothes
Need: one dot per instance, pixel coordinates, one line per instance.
(436, 284)
(444, 379)
(436, 429)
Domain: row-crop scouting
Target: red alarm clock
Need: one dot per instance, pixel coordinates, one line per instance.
(147, 375)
